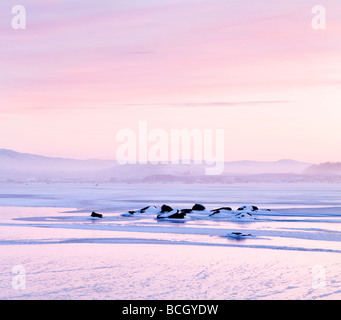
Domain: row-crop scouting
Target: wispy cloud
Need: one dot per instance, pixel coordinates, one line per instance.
(220, 104)
(122, 60)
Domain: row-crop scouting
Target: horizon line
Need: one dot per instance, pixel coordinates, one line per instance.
(149, 162)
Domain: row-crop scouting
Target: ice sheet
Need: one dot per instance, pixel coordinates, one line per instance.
(68, 255)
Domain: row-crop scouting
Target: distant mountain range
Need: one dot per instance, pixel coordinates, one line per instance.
(23, 167)
(325, 169)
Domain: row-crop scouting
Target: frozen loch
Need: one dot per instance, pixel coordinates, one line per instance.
(110, 241)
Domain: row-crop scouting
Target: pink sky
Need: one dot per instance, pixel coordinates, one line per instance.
(82, 70)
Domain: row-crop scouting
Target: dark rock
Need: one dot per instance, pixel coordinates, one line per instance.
(166, 208)
(214, 211)
(177, 215)
(239, 234)
(144, 209)
(171, 215)
(243, 214)
(251, 208)
(198, 207)
(186, 210)
(96, 215)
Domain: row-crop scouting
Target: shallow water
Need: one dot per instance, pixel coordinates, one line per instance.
(277, 230)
